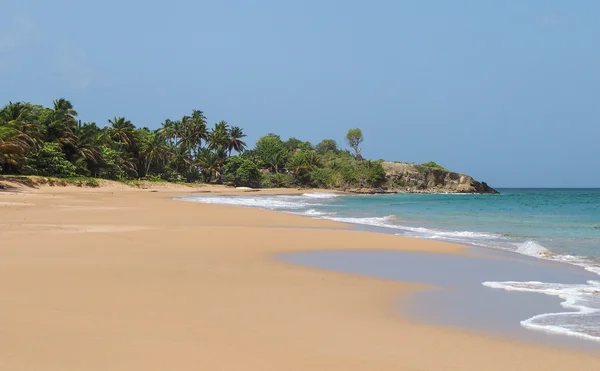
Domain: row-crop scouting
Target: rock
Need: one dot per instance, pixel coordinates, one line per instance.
(411, 178)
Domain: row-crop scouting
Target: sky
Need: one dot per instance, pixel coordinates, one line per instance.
(505, 91)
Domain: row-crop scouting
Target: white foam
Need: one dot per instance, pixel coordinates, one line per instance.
(532, 248)
(263, 202)
(375, 221)
(313, 212)
(323, 195)
(583, 301)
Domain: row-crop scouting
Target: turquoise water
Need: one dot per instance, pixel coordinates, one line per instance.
(553, 224)
(563, 221)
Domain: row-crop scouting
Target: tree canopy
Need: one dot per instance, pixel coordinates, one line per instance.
(53, 141)
(354, 138)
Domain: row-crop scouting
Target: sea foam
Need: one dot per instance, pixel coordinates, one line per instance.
(583, 301)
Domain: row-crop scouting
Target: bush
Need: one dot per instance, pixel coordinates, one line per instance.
(277, 180)
(433, 165)
(327, 145)
(49, 160)
(374, 173)
(111, 164)
(326, 178)
(241, 172)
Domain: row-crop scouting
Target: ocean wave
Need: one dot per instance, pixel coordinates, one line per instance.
(321, 195)
(374, 221)
(422, 232)
(313, 212)
(262, 202)
(583, 300)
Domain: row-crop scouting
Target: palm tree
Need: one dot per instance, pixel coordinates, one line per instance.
(167, 129)
(180, 160)
(156, 149)
(121, 131)
(86, 145)
(18, 111)
(62, 122)
(194, 131)
(218, 137)
(235, 140)
(14, 145)
(211, 163)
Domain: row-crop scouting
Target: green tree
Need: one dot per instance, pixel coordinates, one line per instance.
(271, 151)
(218, 138)
(121, 131)
(235, 140)
(327, 145)
(354, 138)
(241, 172)
(211, 163)
(154, 150)
(49, 160)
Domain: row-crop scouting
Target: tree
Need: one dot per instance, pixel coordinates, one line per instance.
(86, 147)
(211, 163)
(354, 139)
(17, 136)
(154, 150)
(50, 161)
(271, 151)
(62, 123)
(218, 138)
(235, 140)
(121, 131)
(327, 145)
(194, 131)
(241, 172)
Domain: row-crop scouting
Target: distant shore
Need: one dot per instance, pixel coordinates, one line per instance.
(123, 278)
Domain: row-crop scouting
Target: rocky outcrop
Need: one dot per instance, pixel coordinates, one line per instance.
(404, 177)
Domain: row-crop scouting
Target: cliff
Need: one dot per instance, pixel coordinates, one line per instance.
(404, 177)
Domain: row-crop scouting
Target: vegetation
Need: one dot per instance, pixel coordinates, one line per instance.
(354, 139)
(433, 165)
(52, 142)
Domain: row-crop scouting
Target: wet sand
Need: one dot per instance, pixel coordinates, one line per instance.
(461, 300)
(117, 279)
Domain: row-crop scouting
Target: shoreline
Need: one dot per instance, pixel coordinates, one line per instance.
(187, 284)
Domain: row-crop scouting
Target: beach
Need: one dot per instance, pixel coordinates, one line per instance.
(114, 278)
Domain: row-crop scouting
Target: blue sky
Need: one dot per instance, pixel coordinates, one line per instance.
(506, 91)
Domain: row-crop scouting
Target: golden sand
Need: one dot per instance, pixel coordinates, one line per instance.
(119, 279)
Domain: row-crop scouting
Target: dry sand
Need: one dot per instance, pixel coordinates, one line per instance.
(120, 279)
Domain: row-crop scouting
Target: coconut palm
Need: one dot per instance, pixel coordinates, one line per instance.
(122, 131)
(155, 150)
(218, 138)
(235, 140)
(211, 163)
(14, 145)
(62, 123)
(86, 146)
(194, 131)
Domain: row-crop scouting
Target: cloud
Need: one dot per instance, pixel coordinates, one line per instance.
(73, 64)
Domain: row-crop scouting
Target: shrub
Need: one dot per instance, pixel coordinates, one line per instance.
(111, 164)
(327, 145)
(433, 165)
(49, 160)
(241, 172)
(277, 180)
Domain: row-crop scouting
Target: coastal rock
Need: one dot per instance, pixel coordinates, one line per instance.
(404, 177)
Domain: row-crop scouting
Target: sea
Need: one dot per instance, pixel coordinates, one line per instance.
(554, 224)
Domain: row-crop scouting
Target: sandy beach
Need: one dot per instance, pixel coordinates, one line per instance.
(114, 278)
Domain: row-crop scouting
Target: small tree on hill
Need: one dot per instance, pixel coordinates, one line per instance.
(354, 138)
